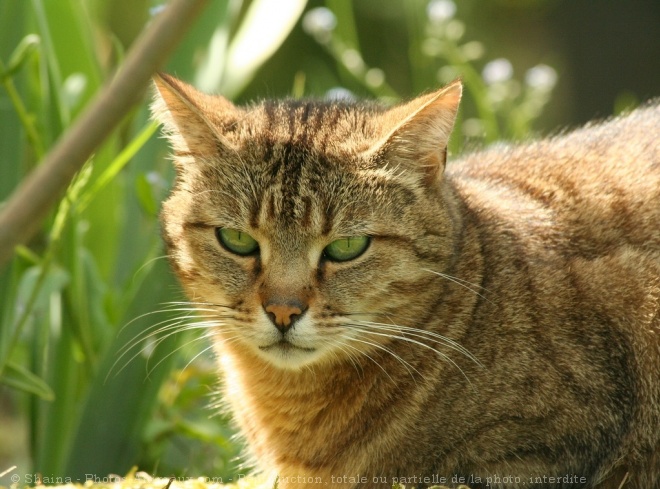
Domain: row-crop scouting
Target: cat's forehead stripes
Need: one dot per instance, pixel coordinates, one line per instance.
(292, 192)
(302, 143)
(323, 126)
(293, 123)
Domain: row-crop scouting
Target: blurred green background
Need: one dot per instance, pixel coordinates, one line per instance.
(93, 378)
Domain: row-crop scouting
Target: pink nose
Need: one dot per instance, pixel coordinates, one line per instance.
(283, 315)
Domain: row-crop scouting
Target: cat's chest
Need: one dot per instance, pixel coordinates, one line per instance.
(315, 422)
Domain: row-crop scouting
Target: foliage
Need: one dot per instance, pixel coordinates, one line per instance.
(87, 348)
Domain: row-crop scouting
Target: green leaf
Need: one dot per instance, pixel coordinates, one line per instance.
(117, 165)
(120, 401)
(26, 47)
(210, 72)
(55, 280)
(33, 294)
(22, 379)
(32, 283)
(265, 27)
(145, 194)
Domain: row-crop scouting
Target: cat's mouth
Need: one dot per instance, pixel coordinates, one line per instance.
(285, 346)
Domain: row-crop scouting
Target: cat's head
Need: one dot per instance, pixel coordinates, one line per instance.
(309, 230)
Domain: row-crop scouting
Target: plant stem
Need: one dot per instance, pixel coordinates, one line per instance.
(23, 115)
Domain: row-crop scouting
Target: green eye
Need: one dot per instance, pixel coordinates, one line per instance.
(237, 241)
(345, 249)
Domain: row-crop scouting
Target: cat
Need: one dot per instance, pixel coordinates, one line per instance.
(381, 315)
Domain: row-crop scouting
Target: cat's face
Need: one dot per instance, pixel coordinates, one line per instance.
(309, 232)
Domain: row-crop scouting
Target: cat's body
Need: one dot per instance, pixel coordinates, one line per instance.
(531, 276)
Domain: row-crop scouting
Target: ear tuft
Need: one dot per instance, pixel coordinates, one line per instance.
(417, 132)
(192, 120)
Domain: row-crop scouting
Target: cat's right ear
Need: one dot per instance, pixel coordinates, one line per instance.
(416, 134)
(192, 120)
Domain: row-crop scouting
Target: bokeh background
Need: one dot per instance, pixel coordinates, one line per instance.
(99, 371)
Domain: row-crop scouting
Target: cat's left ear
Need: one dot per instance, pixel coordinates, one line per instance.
(417, 133)
(194, 122)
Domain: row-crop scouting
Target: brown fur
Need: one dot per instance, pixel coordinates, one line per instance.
(502, 323)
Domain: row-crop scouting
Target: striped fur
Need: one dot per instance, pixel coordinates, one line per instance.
(501, 327)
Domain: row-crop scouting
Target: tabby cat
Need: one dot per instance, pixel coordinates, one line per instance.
(382, 316)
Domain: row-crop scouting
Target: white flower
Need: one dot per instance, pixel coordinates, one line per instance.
(439, 11)
(319, 22)
(541, 77)
(73, 89)
(352, 59)
(497, 71)
(375, 77)
(473, 50)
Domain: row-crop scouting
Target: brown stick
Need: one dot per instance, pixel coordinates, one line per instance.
(29, 204)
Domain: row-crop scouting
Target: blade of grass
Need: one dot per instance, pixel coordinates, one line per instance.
(52, 61)
(270, 22)
(18, 377)
(44, 270)
(208, 75)
(108, 424)
(57, 419)
(26, 120)
(117, 165)
(43, 274)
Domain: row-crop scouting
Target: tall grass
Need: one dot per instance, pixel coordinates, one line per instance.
(88, 285)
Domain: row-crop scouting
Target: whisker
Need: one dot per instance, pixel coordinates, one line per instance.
(424, 345)
(189, 327)
(147, 263)
(463, 283)
(166, 325)
(352, 357)
(450, 343)
(172, 326)
(176, 307)
(405, 364)
(360, 352)
(424, 334)
(150, 329)
(168, 310)
(199, 338)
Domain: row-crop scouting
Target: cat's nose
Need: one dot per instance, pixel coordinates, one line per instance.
(284, 314)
